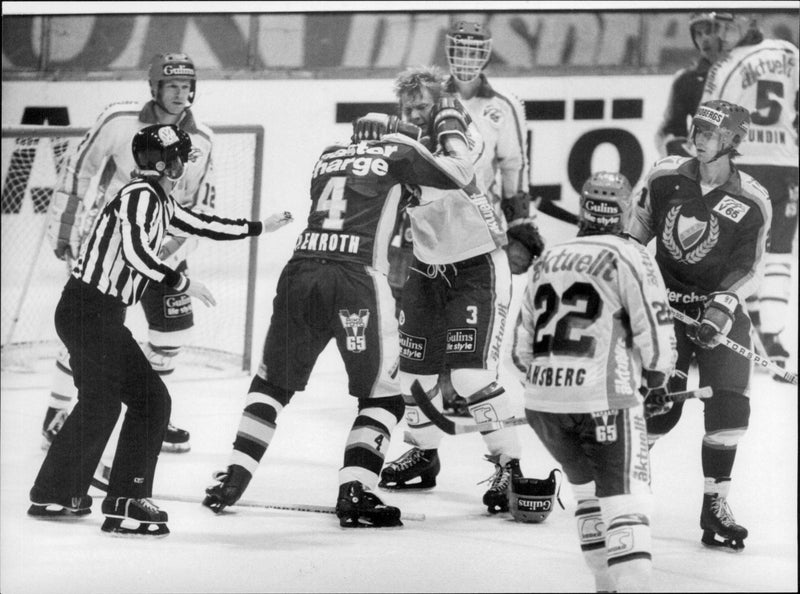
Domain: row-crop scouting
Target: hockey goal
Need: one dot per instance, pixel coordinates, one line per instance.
(32, 277)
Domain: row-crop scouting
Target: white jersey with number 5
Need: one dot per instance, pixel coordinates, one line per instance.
(763, 79)
(594, 314)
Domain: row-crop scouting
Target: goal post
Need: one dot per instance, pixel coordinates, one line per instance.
(32, 276)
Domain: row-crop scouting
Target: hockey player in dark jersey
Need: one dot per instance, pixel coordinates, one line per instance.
(711, 35)
(116, 263)
(710, 223)
(335, 287)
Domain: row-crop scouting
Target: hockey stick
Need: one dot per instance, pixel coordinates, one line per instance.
(744, 352)
(302, 507)
(452, 428)
(100, 481)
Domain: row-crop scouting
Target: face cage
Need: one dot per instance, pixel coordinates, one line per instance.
(467, 57)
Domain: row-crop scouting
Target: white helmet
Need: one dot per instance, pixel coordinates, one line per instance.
(722, 25)
(604, 204)
(469, 46)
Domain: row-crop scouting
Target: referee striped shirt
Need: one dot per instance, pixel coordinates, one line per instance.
(121, 255)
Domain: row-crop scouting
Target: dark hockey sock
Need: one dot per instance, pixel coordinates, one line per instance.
(717, 463)
(264, 403)
(369, 437)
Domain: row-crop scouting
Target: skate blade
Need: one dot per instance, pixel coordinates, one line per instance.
(732, 545)
(53, 511)
(175, 448)
(421, 486)
(114, 527)
(366, 523)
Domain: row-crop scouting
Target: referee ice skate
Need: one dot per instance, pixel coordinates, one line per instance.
(115, 265)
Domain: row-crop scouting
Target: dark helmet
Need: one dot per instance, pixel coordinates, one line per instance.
(155, 147)
(170, 67)
(604, 204)
(730, 120)
(468, 47)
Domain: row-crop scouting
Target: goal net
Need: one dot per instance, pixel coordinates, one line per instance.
(33, 278)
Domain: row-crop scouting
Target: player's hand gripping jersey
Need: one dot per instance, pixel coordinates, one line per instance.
(704, 242)
(356, 191)
(764, 79)
(586, 301)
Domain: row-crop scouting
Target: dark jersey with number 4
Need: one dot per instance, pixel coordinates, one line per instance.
(356, 191)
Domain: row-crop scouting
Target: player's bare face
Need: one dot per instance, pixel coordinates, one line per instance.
(174, 96)
(707, 38)
(416, 108)
(708, 143)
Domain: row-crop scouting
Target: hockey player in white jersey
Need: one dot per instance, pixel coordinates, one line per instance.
(502, 167)
(761, 75)
(104, 154)
(596, 337)
(453, 311)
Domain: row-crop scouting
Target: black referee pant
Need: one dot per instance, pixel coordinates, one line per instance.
(108, 368)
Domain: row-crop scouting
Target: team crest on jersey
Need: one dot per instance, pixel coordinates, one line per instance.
(493, 114)
(605, 426)
(355, 325)
(688, 239)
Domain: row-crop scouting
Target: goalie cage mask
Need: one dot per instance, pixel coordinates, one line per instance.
(155, 147)
(468, 47)
(604, 204)
(172, 67)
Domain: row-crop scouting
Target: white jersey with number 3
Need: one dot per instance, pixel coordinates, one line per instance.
(763, 79)
(594, 314)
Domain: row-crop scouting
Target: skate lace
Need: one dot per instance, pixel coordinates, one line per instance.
(721, 509)
(500, 477)
(408, 459)
(148, 505)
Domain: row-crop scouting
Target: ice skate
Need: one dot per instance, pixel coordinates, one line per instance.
(496, 497)
(230, 486)
(776, 352)
(358, 508)
(716, 520)
(176, 441)
(122, 512)
(59, 506)
(53, 421)
(420, 466)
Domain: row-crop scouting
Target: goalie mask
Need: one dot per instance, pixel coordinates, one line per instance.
(468, 47)
(718, 24)
(166, 67)
(604, 204)
(531, 500)
(161, 150)
(730, 120)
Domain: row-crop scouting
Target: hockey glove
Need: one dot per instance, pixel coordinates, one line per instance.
(374, 126)
(653, 388)
(63, 228)
(716, 321)
(176, 249)
(524, 246)
(450, 119)
(516, 207)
